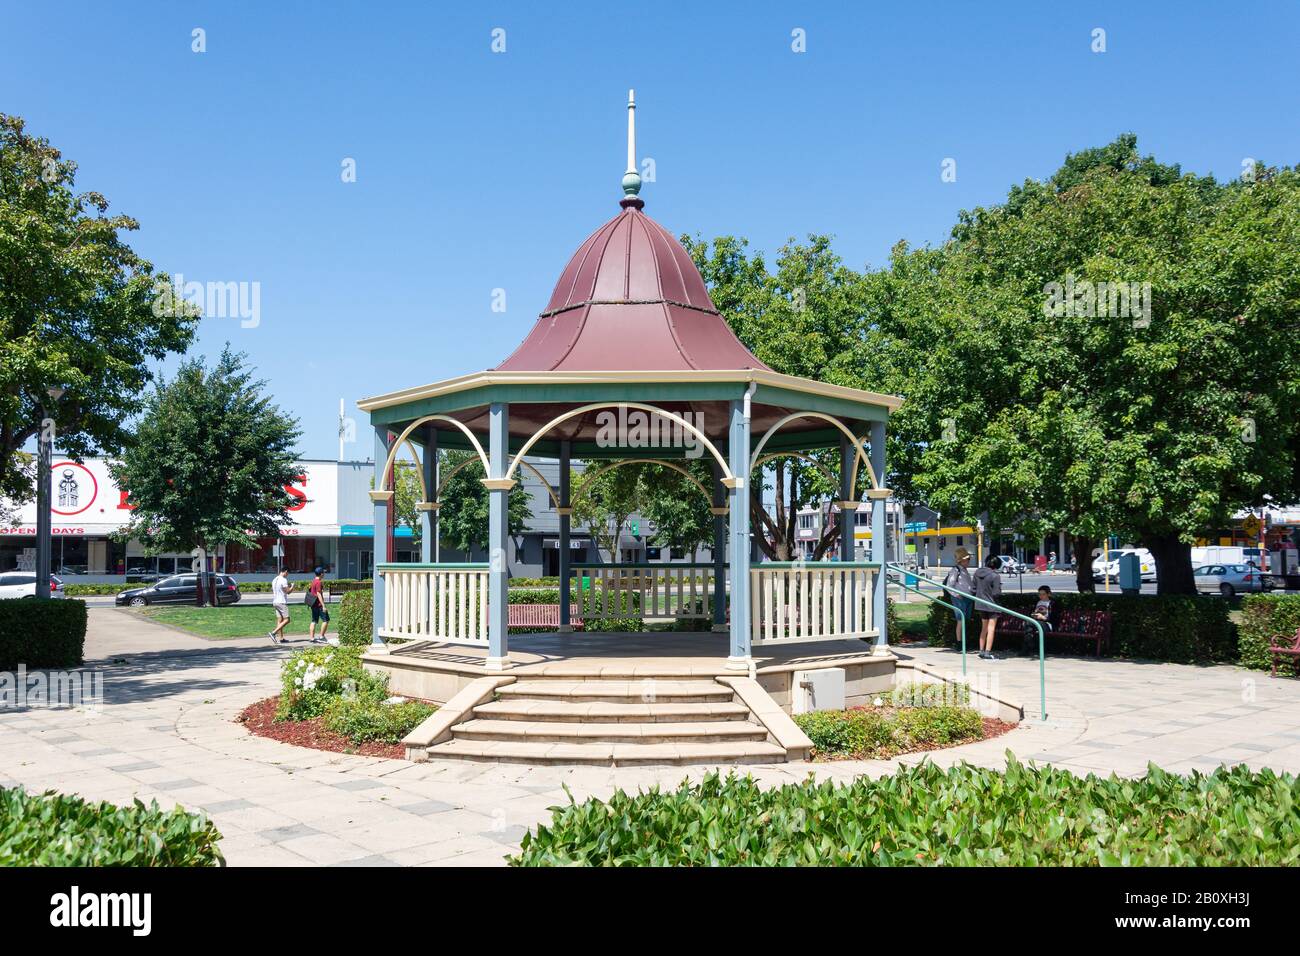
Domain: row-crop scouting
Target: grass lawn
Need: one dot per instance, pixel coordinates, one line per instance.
(247, 621)
(912, 616)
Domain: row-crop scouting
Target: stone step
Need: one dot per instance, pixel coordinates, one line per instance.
(634, 691)
(610, 711)
(624, 731)
(606, 753)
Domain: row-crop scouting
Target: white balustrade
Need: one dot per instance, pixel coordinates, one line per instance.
(603, 592)
(436, 602)
(811, 602)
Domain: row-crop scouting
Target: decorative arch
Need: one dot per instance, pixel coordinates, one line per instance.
(392, 452)
(806, 457)
(437, 495)
(728, 479)
(861, 455)
(649, 461)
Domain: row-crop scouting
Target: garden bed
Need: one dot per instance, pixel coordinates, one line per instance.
(260, 719)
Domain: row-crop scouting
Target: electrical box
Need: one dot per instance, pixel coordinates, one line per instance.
(822, 689)
(1130, 573)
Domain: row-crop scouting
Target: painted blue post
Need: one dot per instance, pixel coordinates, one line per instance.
(429, 516)
(848, 518)
(879, 546)
(738, 461)
(498, 533)
(719, 551)
(565, 596)
(380, 496)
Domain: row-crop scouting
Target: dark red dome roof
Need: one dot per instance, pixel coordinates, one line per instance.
(630, 299)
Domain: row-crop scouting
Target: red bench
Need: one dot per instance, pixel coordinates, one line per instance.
(1282, 645)
(542, 615)
(1091, 627)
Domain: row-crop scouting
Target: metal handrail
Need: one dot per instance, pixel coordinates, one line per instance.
(961, 617)
(1042, 638)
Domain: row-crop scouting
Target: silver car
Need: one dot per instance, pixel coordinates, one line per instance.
(1228, 579)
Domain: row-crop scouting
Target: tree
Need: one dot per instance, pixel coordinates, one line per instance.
(603, 501)
(463, 513)
(1109, 351)
(77, 311)
(807, 319)
(676, 506)
(209, 460)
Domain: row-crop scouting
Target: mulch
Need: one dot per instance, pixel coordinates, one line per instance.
(259, 718)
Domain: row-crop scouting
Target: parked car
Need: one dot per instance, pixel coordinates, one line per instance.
(22, 584)
(1010, 565)
(178, 589)
(1109, 564)
(1228, 579)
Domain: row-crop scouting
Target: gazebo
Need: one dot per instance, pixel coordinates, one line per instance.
(630, 360)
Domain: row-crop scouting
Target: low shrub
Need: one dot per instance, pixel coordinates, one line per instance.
(918, 694)
(41, 633)
(925, 816)
(1263, 617)
(357, 618)
(363, 719)
(547, 582)
(314, 676)
(1181, 629)
(870, 733)
(54, 829)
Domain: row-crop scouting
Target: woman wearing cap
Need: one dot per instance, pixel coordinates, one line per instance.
(959, 585)
(988, 588)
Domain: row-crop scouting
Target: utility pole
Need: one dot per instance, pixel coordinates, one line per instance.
(44, 490)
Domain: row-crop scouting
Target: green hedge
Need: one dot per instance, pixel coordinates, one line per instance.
(330, 682)
(41, 633)
(54, 829)
(1264, 616)
(357, 618)
(925, 816)
(1175, 628)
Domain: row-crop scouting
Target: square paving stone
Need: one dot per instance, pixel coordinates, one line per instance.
(361, 784)
(97, 752)
(133, 767)
(426, 807)
(376, 860)
(291, 832)
(225, 806)
(177, 784)
(1250, 745)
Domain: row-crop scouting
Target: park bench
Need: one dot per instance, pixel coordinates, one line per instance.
(542, 615)
(1090, 627)
(1282, 645)
(334, 590)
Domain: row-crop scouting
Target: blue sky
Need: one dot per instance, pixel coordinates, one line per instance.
(479, 171)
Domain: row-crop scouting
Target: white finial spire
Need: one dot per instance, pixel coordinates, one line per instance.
(631, 179)
(631, 131)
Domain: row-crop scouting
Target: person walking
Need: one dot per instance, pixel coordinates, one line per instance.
(316, 601)
(957, 582)
(280, 591)
(988, 588)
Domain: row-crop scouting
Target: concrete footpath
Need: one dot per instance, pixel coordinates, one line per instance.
(166, 731)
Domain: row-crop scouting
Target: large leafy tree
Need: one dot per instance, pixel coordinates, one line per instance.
(679, 510)
(805, 317)
(1155, 425)
(604, 500)
(77, 311)
(209, 461)
(463, 513)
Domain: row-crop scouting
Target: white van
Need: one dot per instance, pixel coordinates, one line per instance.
(1108, 563)
(1231, 554)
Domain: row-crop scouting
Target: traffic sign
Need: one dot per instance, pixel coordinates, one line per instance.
(914, 527)
(1251, 526)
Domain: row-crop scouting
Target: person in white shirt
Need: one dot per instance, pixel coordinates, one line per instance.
(280, 591)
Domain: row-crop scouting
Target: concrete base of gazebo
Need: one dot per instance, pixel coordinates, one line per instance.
(619, 699)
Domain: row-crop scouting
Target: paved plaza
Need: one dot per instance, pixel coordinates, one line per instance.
(167, 732)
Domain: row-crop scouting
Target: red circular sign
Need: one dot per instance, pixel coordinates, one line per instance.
(75, 488)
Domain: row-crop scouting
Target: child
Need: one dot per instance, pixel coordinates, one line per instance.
(1045, 612)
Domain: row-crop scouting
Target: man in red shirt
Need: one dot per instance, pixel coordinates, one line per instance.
(316, 601)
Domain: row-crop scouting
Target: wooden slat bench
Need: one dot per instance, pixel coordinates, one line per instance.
(1283, 645)
(1090, 627)
(542, 615)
